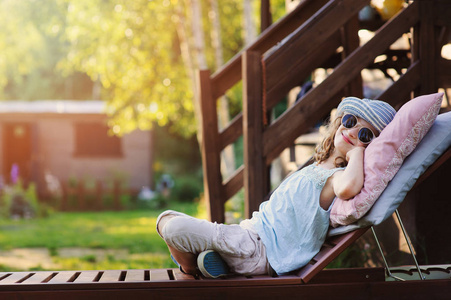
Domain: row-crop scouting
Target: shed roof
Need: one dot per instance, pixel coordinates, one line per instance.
(53, 106)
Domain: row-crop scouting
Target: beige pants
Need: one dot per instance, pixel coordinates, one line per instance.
(239, 245)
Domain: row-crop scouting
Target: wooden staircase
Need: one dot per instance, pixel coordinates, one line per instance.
(282, 59)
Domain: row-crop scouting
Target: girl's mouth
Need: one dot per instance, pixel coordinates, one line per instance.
(346, 139)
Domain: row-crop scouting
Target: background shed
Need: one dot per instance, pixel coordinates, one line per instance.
(70, 140)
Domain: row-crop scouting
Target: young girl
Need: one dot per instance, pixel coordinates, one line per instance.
(289, 228)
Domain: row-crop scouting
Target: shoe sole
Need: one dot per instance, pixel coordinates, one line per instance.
(211, 264)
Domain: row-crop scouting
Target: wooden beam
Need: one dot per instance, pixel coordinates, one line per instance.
(232, 132)
(308, 37)
(304, 113)
(427, 48)
(306, 64)
(351, 41)
(320, 261)
(265, 15)
(441, 10)
(239, 289)
(227, 76)
(211, 161)
(255, 170)
(234, 183)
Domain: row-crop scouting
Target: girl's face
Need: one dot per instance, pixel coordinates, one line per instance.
(347, 138)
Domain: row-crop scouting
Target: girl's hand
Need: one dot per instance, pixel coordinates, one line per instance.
(355, 153)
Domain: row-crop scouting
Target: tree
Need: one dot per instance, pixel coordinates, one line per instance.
(140, 52)
(30, 51)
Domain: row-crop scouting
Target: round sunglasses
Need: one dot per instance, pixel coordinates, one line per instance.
(365, 134)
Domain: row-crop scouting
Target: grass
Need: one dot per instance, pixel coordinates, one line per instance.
(133, 231)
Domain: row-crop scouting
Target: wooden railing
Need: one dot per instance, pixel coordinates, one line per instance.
(267, 76)
(214, 86)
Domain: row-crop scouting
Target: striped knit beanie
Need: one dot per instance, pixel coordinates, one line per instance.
(377, 113)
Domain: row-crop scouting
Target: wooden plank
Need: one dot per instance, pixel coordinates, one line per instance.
(427, 49)
(300, 115)
(211, 162)
(39, 277)
(134, 275)
(232, 132)
(441, 10)
(255, 170)
(110, 276)
(234, 183)
(308, 37)
(63, 276)
(179, 276)
(305, 65)
(343, 276)
(86, 277)
(230, 73)
(351, 41)
(159, 275)
(265, 15)
(309, 271)
(15, 277)
(427, 289)
(3, 275)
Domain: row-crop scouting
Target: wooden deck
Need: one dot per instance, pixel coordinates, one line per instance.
(361, 283)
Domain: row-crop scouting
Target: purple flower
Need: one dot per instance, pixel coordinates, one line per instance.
(14, 173)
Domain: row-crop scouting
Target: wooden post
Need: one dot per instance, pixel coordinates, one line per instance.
(256, 173)
(211, 164)
(351, 41)
(265, 15)
(427, 48)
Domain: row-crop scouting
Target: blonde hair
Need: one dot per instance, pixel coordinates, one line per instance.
(325, 149)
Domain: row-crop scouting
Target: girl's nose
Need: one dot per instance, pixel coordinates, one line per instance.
(353, 132)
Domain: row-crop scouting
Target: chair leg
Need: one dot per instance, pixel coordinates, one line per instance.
(410, 245)
(387, 268)
(410, 249)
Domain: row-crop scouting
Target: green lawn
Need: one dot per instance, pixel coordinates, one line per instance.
(133, 231)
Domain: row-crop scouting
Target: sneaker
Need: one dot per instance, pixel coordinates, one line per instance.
(211, 264)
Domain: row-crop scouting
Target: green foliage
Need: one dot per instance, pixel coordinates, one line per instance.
(31, 47)
(175, 154)
(187, 189)
(131, 48)
(180, 158)
(62, 49)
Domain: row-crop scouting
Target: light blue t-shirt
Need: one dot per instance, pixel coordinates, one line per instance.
(292, 224)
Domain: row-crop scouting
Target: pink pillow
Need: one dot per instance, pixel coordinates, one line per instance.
(385, 155)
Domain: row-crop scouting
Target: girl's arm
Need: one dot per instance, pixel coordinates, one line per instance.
(348, 183)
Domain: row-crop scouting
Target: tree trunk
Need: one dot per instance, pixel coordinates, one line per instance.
(198, 34)
(190, 66)
(249, 27)
(228, 156)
